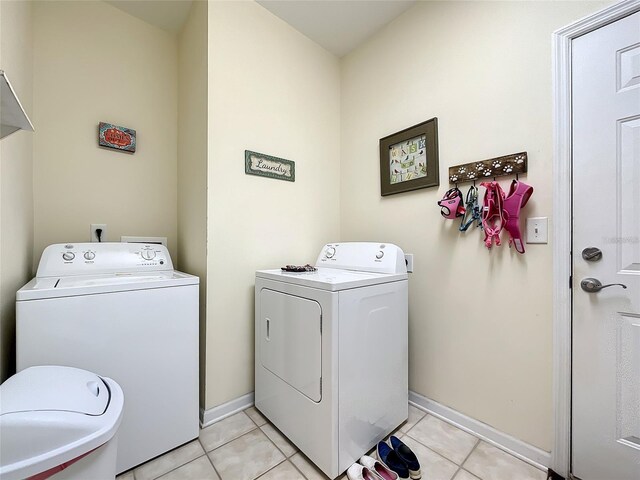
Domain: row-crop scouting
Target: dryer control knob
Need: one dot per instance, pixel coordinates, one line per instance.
(148, 254)
(68, 256)
(89, 255)
(380, 254)
(330, 252)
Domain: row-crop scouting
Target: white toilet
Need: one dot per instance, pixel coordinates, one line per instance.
(59, 423)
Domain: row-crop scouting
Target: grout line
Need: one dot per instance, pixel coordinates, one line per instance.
(467, 458)
(274, 443)
(177, 467)
(286, 459)
(296, 467)
(439, 454)
(295, 447)
(472, 450)
(233, 439)
(413, 426)
(228, 441)
(213, 466)
(264, 473)
(209, 458)
(133, 473)
(245, 412)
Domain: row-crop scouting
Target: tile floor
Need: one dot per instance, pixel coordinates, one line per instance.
(245, 446)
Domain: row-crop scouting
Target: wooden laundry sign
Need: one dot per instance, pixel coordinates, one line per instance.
(267, 166)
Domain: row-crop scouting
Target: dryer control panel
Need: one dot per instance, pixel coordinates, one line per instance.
(363, 257)
(98, 258)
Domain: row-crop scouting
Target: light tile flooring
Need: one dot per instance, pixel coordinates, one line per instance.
(245, 446)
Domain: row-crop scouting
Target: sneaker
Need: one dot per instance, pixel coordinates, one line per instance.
(390, 459)
(375, 466)
(358, 472)
(407, 456)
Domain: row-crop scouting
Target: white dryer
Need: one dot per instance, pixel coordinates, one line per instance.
(122, 311)
(331, 351)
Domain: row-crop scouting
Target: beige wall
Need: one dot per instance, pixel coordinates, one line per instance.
(96, 63)
(192, 158)
(16, 175)
(480, 321)
(273, 91)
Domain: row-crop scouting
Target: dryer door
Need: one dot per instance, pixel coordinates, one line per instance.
(291, 340)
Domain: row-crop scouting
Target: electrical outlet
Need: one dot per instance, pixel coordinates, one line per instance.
(408, 259)
(93, 234)
(537, 230)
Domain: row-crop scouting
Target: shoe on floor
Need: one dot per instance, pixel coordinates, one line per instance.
(375, 466)
(359, 472)
(407, 456)
(390, 459)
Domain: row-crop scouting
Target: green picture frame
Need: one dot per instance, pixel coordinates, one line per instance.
(409, 159)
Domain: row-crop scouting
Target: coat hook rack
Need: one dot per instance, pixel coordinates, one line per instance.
(513, 164)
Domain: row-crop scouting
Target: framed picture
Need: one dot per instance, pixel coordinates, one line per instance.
(409, 159)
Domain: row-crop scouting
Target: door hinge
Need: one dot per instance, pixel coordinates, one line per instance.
(570, 282)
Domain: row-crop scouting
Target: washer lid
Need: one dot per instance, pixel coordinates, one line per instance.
(72, 286)
(53, 388)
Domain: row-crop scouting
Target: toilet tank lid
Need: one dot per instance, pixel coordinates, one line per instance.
(54, 388)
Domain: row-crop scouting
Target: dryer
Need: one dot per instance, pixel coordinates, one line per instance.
(122, 311)
(332, 351)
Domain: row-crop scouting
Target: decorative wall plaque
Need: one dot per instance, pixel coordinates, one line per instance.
(267, 166)
(118, 138)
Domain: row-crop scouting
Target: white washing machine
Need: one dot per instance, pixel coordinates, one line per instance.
(331, 351)
(122, 311)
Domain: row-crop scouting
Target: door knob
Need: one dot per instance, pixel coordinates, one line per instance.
(592, 254)
(593, 285)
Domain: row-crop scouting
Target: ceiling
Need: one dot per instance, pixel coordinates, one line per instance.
(169, 15)
(337, 25)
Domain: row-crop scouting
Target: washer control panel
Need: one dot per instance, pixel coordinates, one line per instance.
(363, 256)
(98, 258)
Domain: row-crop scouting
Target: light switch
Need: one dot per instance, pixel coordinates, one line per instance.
(538, 230)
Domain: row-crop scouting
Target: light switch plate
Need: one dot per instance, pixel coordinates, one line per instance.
(538, 230)
(408, 259)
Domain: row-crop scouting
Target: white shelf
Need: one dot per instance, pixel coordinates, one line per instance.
(14, 117)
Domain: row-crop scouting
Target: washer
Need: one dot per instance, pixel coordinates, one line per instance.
(331, 351)
(122, 311)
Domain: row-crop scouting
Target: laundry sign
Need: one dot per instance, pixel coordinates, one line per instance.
(118, 138)
(267, 166)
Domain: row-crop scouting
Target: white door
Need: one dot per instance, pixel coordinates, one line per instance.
(291, 340)
(606, 210)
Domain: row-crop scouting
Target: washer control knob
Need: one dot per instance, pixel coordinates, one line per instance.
(148, 254)
(68, 256)
(330, 252)
(89, 255)
(380, 254)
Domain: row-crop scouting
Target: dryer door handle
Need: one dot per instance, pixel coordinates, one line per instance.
(268, 328)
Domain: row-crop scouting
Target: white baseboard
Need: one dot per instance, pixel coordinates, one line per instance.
(207, 417)
(522, 450)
